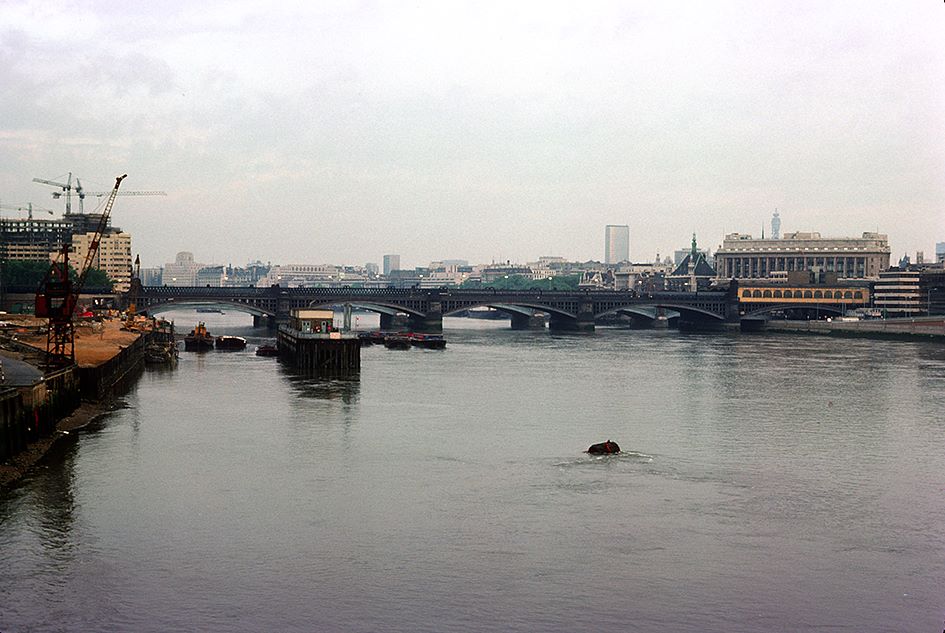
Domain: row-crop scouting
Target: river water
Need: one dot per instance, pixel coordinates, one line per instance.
(768, 483)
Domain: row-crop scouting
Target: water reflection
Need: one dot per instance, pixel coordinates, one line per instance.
(40, 511)
(55, 504)
(323, 387)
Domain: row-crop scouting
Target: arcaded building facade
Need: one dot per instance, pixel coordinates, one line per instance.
(743, 257)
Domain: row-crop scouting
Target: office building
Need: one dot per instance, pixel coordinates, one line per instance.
(897, 293)
(182, 271)
(391, 262)
(29, 239)
(151, 276)
(743, 257)
(304, 275)
(113, 256)
(616, 243)
(212, 276)
(940, 252)
(776, 226)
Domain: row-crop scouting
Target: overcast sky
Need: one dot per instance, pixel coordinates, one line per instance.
(337, 132)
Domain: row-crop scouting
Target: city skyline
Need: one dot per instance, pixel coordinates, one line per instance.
(388, 262)
(398, 138)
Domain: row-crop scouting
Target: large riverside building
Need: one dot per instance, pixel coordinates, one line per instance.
(616, 243)
(182, 271)
(743, 257)
(29, 239)
(39, 240)
(910, 291)
(113, 256)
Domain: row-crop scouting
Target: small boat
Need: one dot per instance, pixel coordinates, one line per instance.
(397, 341)
(231, 342)
(199, 339)
(373, 338)
(210, 310)
(428, 341)
(267, 350)
(160, 354)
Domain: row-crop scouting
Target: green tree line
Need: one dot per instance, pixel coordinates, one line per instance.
(29, 274)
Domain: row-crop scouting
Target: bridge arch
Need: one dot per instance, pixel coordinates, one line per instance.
(373, 306)
(807, 307)
(685, 310)
(175, 303)
(523, 309)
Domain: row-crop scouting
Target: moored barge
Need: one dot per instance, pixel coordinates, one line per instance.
(231, 342)
(199, 339)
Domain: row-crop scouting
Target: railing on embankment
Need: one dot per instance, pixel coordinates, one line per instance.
(920, 328)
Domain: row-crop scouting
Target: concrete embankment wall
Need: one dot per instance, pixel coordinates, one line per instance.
(103, 381)
(894, 329)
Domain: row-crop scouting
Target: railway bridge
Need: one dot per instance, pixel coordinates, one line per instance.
(425, 308)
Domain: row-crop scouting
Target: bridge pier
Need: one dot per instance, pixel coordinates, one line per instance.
(527, 321)
(562, 323)
(271, 322)
(753, 325)
(430, 323)
(702, 325)
(393, 322)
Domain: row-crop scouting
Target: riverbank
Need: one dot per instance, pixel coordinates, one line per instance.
(18, 466)
(923, 328)
(104, 351)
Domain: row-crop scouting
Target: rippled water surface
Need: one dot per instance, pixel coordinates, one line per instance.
(768, 483)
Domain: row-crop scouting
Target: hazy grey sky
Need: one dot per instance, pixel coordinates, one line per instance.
(337, 132)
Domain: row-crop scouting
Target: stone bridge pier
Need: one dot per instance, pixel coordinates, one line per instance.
(583, 322)
(393, 322)
(431, 322)
(522, 321)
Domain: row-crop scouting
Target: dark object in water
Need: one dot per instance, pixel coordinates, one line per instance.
(397, 342)
(231, 342)
(604, 448)
(267, 350)
(428, 341)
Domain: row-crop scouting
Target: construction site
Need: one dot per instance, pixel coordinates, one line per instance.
(61, 365)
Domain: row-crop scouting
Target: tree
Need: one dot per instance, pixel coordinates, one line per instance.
(22, 274)
(30, 274)
(97, 279)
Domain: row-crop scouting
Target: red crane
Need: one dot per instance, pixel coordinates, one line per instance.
(57, 296)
